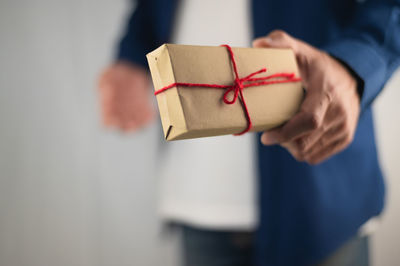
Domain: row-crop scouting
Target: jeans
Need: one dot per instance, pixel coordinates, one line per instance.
(224, 248)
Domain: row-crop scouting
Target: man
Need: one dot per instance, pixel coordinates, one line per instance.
(320, 181)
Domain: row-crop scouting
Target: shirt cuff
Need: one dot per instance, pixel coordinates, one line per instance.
(364, 61)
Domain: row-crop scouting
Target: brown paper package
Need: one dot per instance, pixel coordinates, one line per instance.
(194, 112)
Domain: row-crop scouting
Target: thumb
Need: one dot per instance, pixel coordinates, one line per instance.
(276, 39)
(281, 39)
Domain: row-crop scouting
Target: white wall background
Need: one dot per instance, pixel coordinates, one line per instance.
(72, 193)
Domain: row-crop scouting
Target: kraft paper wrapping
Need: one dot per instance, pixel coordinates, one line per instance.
(194, 112)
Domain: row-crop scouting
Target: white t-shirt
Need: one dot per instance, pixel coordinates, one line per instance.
(210, 182)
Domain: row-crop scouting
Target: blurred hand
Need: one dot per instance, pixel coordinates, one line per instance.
(328, 116)
(124, 97)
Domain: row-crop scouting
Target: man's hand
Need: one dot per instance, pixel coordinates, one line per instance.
(124, 97)
(327, 119)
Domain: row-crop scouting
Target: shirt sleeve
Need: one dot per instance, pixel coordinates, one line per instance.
(370, 46)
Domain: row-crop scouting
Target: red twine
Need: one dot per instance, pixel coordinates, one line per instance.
(239, 85)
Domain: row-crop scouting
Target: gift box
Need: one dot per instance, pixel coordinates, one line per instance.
(208, 91)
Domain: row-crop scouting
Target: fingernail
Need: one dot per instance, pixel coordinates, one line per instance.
(268, 139)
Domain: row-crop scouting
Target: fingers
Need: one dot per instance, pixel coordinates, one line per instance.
(313, 134)
(330, 128)
(302, 123)
(310, 146)
(328, 151)
(330, 142)
(329, 137)
(310, 118)
(305, 143)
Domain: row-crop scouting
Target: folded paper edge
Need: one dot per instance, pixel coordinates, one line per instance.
(169, 101)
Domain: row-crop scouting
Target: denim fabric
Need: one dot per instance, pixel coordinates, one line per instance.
(228, 248)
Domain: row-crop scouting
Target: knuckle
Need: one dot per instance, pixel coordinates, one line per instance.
(302, 144)
(325, 58)
(279, 34)
(328, 94)
(314, 120)
(282, 35)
